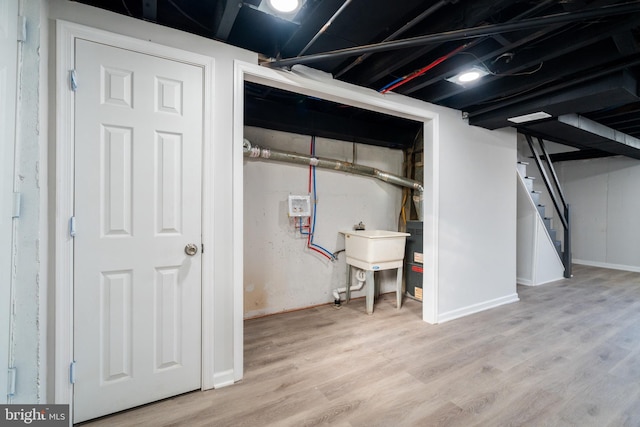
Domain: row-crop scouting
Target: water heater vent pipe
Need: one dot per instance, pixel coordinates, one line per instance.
(337, 165)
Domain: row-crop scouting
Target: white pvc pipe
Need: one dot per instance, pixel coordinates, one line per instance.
(361, 276)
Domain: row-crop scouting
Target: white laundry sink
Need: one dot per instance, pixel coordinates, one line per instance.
(375, 249)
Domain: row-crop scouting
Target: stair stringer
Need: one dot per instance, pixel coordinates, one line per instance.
(538, 261)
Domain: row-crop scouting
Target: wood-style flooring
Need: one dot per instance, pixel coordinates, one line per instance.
(567, 354)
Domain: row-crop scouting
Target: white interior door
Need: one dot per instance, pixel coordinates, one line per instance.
(8, 63)
(137, 302)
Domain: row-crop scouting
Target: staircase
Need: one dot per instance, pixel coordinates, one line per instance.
(537, 258)
(552, 184)
(541, 208)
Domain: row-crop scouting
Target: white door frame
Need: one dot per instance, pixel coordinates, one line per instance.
(314, 83)
(66, 34)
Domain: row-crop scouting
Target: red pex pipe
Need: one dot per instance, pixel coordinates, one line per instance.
(423, 70)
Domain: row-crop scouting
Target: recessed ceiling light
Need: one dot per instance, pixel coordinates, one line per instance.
(285, 6)
(468, 76)
(529, 117)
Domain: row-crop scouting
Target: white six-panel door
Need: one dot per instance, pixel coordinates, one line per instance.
(137, 293)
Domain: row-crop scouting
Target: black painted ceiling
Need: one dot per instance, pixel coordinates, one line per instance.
(563, 57)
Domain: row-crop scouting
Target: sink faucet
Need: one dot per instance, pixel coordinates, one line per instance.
(359, 226)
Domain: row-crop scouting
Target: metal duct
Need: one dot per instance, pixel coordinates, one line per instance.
(254, 151)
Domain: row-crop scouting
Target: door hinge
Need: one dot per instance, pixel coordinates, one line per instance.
(72, 226)
(11, 382)
(17, 199)
(73, 80)
(22, 29)
(72, 372)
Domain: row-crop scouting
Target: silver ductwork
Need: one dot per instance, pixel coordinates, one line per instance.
(254, 151)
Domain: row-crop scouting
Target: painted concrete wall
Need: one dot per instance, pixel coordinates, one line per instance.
(477, 217)
(8, 84)
(605, 204)
(28, 333)
(280, 273)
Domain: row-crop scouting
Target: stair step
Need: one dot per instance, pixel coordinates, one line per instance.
(521, 167)
(558, 246)
(528, 182)
(541, 210)
(535, 196)
(552, 234)
(547, 222)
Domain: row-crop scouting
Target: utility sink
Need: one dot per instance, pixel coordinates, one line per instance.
(375, 249)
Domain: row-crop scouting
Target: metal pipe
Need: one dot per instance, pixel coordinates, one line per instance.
(485, 30)
(325, 27)
(398, 32)
(479, 40)
(337, 165)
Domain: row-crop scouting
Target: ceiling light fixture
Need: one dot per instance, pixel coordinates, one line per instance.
(529, 117)
(285, 6)
(468, 76)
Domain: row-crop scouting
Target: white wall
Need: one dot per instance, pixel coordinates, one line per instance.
(477, 217)
(280, 273)
(471, 173)
(605, 206)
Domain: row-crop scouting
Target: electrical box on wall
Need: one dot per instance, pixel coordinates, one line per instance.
(299, 205)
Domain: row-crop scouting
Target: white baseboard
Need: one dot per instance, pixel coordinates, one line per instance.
(525, 282)
(623, 267)
(476, 308)
(223, 379)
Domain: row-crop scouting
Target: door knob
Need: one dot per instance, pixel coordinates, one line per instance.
(191, 249)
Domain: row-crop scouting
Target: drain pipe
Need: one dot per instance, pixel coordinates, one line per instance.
(361, 277)
(254, 151)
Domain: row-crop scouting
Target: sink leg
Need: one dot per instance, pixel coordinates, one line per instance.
(377, 294)
(399, 288)
(348, 288)
(371, 289)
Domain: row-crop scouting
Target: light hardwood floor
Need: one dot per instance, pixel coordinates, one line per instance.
(567, 354)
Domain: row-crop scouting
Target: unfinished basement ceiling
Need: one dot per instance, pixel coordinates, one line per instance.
(558, 56)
